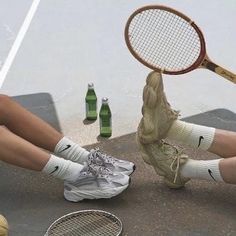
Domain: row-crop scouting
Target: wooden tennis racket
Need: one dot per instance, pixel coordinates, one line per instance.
(167, 41)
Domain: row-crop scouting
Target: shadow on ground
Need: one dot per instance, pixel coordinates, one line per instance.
(218, 118)
(31, 201)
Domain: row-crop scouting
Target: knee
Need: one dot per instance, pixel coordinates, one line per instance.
(5, 102)
(4, 97)
(3, 130)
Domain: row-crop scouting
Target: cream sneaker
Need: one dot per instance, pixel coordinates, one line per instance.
(157, 113)
(166, 160)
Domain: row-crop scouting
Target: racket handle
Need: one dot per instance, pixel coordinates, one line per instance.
(219, 70)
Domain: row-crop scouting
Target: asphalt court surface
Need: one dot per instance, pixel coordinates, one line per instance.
(71, 43)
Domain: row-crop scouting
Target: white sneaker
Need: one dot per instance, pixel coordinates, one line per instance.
(96, 157)
(95, 182)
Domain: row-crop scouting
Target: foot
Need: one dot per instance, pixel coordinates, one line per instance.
(95, 182)
(166, 160)
(96, 157)
(157, 113)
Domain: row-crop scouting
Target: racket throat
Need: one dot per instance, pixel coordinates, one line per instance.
(209, 65)
(218, 70)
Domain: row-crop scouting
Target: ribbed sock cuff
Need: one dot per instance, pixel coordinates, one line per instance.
(70, 150)
(196, 136)
(209, 170)
(198, 169)
(62, 169)
(202, 137)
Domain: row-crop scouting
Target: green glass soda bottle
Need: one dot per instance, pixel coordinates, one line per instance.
(105, 119)
(91, 103)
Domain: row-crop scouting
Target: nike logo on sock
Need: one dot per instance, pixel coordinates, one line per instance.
(56, 168)
(210, 173)
(200, 139)
(67, 147)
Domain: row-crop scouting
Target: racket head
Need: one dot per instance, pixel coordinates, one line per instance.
(86, 223)
(165, 40)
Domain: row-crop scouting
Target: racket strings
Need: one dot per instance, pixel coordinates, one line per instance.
(164, 40)
(89, 224)
(161, 45)
(149, 36)
(155, 38)
(188, 58)
(169, 43)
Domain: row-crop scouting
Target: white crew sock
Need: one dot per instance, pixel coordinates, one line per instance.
(69, 150)
(207, 170)
(196, 136)
(62, 169)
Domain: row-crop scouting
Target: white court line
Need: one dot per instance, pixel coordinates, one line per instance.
(21, 34)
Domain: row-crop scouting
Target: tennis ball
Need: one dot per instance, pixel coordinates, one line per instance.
(3, 226)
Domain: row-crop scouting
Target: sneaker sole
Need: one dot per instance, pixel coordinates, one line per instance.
(129, 172)
(76, 196)
(172, 185)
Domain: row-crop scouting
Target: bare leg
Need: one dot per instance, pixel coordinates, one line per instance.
(26, 125)
(224, 143)
(227, 170)
(19, 152)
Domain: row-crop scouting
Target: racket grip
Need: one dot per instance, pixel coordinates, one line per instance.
(219, 70)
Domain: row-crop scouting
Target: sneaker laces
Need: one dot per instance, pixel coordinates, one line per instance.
(98, 158)
(175, 165)
(98, 170)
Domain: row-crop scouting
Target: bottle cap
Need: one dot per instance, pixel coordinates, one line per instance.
(104, 100)
(90, 85)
